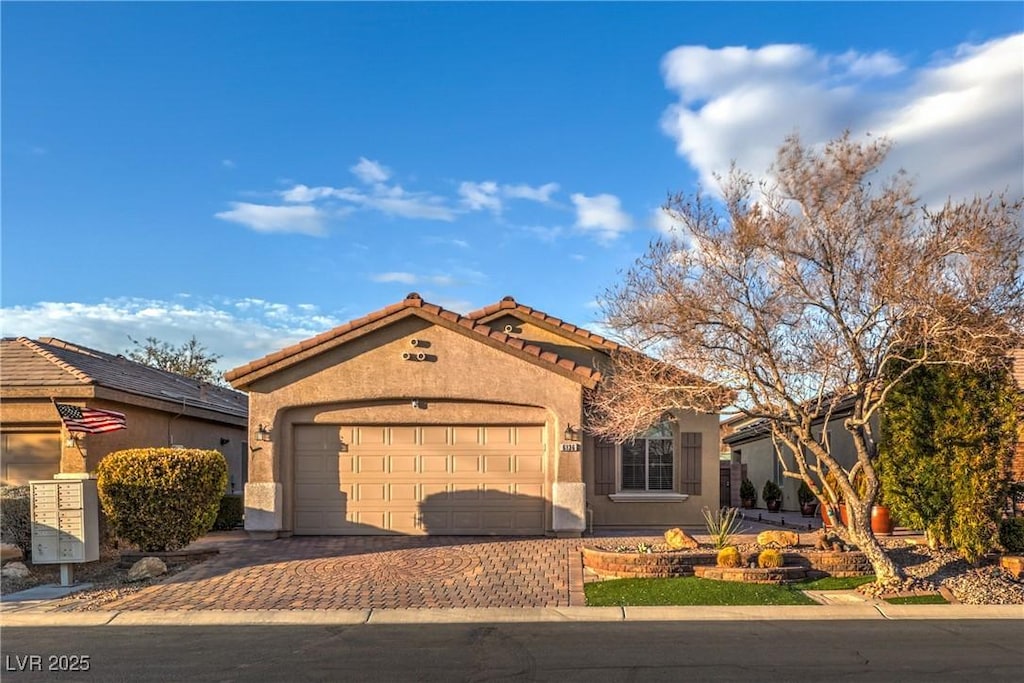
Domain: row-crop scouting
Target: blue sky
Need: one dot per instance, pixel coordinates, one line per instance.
(257, 173)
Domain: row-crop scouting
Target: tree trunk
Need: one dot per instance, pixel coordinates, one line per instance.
(859, 532)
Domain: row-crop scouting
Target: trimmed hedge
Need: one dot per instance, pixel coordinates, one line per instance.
(16, 517)
(230, 514)
(159, 499)
(1011, 534)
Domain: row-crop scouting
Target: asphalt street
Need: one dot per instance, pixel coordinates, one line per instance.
(807, 650)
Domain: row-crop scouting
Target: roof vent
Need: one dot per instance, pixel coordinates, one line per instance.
(413, 295)
(509, 298)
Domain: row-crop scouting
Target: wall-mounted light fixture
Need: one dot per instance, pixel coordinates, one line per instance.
(72, 440)
(263, 433)
(342, 446)
(571, 434)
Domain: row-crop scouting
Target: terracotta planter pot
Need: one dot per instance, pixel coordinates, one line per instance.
(881, 521)
(773, 505)
(747, 503)
(808, 509)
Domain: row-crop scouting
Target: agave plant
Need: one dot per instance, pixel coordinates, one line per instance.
(722, 525)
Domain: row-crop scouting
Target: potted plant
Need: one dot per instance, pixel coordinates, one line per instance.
(748, 494)
(881, 518)
(772, 495)
(808, 503)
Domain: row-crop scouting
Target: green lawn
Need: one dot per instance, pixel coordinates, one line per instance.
(690, 590)
(918, 600)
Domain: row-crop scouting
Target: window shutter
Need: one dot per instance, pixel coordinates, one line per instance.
(604, 467)
(690, 462)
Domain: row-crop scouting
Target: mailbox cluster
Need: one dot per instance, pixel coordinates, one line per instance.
(65, 521)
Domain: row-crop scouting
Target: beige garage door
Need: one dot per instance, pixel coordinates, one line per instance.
(29, 455)
(456, 479)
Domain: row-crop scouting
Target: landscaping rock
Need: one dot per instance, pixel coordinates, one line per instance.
(782, 539)
(15, 570)
(677, 539)
(147, 568)
(9, 551)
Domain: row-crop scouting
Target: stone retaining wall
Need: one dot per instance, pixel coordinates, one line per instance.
(753, 575)
(611, 564)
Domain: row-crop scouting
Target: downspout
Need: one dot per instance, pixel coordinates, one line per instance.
(170, 437)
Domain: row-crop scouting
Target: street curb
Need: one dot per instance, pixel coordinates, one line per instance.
(41, 618)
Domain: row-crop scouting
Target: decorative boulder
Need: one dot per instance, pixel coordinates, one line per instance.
(782, 539)
(9, 551)
(147, 568)
(677, 539)
(15, 570)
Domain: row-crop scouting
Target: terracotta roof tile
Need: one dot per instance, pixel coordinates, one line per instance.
(413, 300)
(510, 304)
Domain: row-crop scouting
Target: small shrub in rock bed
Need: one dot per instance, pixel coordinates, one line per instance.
(229, 516)
(16, 517)
(1011, 534)
(769, 559)
(159, 499)
(729, 557)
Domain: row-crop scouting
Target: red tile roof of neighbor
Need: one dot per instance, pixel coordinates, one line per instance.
(50, 362)
(413, 304)
(509, 305)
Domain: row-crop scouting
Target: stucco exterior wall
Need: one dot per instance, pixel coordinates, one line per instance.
(759, 457)
(147, 427)
(546, 339)
(607, 513)
(366, 380)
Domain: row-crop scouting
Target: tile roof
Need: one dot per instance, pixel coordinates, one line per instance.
(50, 362)
(509, 305)
(432, 312)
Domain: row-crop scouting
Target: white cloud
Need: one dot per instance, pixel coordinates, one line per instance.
(227, 163)
(480, 196)
(370, 172)
(407, 278)
(306, 220)
(240, 330)
(958, 126)
(413, 279)
(664, 223)
(601, 215)
(540, 194)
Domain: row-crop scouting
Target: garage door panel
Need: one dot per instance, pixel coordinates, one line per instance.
(434, 436)
(460, 479)
(431, 464)
(530, 436)
(466, 436)
(402, 463)
(529, 464)
(371, 464)
(465, 463)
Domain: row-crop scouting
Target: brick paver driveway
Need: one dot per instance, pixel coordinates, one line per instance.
(373, 572)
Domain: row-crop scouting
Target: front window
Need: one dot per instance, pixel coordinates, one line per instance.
(647, 461)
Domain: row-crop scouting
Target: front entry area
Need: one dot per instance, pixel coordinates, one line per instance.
(419, 479)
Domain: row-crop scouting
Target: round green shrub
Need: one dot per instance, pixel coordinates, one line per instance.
(231, 513)
(770, 558)
(729, 557)
(1011, 534)
(159, 499)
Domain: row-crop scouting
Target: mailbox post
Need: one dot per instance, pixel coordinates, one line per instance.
(65, 523)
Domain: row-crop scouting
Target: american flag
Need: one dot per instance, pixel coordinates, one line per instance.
(90, 420)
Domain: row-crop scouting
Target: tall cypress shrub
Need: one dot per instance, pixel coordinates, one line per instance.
(948, 434)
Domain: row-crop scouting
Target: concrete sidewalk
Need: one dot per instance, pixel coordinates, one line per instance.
(43, 616)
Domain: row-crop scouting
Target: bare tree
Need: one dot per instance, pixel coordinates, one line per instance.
(191, 359)
(801, 294)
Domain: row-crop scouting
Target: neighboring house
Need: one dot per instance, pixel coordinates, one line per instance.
(750, 444)
(414, 419)
(161, 408)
